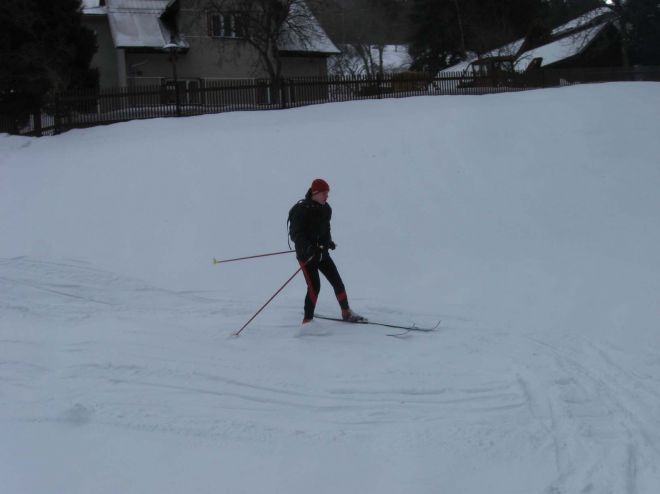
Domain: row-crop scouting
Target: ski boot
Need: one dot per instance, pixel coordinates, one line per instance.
(350, 316)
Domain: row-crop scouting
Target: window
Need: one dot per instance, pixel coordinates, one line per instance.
(227, 25)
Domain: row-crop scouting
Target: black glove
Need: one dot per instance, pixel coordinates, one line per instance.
(332, 245)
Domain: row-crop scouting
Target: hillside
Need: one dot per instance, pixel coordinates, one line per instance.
(527, 223)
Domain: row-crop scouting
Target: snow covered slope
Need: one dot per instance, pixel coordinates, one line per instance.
(527, 222)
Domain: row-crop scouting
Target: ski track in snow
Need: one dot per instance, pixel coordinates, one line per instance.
(597, 414)
(169, 371)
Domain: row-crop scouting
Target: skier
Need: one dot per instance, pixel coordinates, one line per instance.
(309, 228)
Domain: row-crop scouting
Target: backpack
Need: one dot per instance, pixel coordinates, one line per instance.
(292, 212)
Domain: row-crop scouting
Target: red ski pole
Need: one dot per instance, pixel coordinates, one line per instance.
(273, 296)
(215, 261)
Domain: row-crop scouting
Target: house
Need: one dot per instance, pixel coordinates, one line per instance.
(142, 42)
(590, 40)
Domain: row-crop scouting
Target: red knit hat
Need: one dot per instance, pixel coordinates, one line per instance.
(319, 185)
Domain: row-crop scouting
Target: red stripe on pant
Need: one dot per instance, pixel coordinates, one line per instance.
(310, 289)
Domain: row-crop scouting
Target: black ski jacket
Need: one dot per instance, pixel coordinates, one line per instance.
(309, 227)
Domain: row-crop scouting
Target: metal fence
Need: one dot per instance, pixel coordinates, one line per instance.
(78, 109)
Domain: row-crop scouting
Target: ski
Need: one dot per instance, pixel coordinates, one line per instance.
(406, 329)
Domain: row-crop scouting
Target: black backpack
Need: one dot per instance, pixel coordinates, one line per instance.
(292, 211)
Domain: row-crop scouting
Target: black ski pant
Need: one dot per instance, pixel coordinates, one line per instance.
(311, 271)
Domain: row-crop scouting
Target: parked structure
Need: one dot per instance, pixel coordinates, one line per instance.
(142, 41)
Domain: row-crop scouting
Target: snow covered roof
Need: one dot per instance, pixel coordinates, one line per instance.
(561, 49)
(581, 21)
(130, 30)
(511, 50)
(570, 39)
(311, 38)
(135, 23)
(93, 7)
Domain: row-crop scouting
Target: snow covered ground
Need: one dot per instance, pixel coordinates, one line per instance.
(527, 222)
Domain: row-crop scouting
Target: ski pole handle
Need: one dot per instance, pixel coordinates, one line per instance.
(215, 261)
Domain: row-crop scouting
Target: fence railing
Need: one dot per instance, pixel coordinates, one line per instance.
(87, 108)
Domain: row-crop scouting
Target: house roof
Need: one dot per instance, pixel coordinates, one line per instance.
(311, 38)
(569, 40)
(130, 30)
(581, 21)
(93, 7)
(561, 49)
(135, 23)
(511, 49)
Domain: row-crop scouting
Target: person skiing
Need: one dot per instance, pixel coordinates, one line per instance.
(309, 228)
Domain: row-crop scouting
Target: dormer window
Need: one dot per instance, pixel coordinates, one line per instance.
(226, 25)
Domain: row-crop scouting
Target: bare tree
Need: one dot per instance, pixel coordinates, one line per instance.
(349, 63)
(270, 27)
(365, 52)
(367, 27)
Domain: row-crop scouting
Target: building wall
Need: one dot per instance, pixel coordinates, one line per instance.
(231, 58)
(148, 65)
(208, 57)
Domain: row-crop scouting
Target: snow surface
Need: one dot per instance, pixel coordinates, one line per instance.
(527, 222)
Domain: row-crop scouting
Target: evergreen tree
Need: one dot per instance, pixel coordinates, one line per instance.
(43, 47)
(437, 39)
(492, 24)
(644, 25)
(639, 24)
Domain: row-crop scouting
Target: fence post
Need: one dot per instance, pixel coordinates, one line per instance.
(37, 121)
(177, 96)
(57, 117)
(282, 89)
(379, 85)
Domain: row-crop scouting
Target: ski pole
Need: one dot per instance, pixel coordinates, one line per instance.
(273, 296)
(215, 261)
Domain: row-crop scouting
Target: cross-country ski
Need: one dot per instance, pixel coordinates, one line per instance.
(410, 327)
